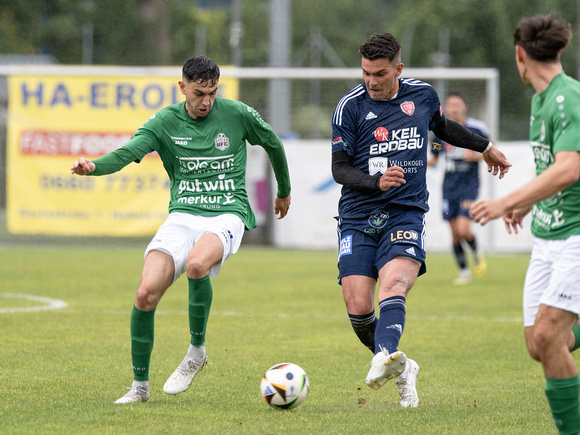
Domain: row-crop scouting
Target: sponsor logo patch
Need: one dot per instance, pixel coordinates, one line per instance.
(378, 164)
(381, 134)
(345, 246)
(408, 107)
(379, 220)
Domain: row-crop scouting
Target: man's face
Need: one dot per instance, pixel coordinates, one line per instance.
(455, 109)
(199, 96)
(381, 77)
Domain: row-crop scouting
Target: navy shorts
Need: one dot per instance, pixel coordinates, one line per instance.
(367, 244)
(458, 197)
(454, 207)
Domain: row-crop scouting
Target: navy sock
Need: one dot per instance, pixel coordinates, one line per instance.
(364, 326)
(472, 243)
(391, 324)
(459, 255)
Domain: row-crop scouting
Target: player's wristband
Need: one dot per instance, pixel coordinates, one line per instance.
(489, 145)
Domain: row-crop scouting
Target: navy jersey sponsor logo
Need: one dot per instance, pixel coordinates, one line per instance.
(378, 164)
(381, 134)
(337, 141)
(402, 139)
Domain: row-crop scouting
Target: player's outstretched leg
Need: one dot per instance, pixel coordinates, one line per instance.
(183, 375)
(139, 392)
(385, 366)
(407, 384)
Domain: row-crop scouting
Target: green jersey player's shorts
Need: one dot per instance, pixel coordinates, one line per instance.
(552, 277)
(181, 231)
(367, 244)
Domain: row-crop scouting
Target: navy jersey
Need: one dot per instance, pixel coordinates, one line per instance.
(460, 174)
(380, 134)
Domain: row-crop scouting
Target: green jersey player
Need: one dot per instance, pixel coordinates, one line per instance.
(202, 144)
(552, 286)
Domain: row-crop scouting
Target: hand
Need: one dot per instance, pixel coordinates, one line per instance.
(514, 218)
(82, 166)
(496, 162)
(394, 176)
(485, 210)
(281, 206)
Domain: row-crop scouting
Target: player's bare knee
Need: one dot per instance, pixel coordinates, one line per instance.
(543, 338)
(146, 300)
(196, 267)
(533, 352)
(399, 286)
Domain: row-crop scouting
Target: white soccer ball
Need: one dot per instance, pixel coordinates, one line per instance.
(285, 386)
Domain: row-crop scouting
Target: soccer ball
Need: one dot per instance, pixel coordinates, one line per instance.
(284, 386)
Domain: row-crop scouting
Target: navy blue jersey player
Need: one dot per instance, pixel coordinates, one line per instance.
(461, 188)
(379, 155)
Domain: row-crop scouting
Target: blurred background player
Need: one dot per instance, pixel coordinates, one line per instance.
(379, 154)
(551, 301)
(461, 187)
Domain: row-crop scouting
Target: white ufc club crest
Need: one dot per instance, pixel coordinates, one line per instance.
(408, 107)
(222, 142)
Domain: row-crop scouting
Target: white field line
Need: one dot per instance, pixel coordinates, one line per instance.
(51, 304)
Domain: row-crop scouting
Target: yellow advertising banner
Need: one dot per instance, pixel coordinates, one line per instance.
(52, 121)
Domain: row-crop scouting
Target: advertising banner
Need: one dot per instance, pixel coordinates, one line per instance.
(53, 120)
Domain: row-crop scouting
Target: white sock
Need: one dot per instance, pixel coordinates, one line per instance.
(196, 353)
(140, 384)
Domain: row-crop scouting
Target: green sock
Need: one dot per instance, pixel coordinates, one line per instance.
(576, 331)
(200, 297)
(563, 397)
(142, 333)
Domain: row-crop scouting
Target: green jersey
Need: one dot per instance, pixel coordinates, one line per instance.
(205, 158)
(554, 127)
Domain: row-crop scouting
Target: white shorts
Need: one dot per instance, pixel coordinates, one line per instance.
(181, 231)
(553, 277)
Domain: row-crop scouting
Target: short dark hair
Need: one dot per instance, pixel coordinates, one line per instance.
(201, 69)
(381, 46)
(543, 36)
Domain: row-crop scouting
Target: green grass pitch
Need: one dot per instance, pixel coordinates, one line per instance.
(62, 369)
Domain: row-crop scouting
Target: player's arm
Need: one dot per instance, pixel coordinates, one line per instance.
(133, 151)
(257, 132)
(104, 165)
(277, 157)
(459, 136)
(344, 173)
(564, 172)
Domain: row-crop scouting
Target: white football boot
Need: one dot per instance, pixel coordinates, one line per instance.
(183, 375)
(407, 384)
(385, 366)
(140, 393)
(463, 278)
